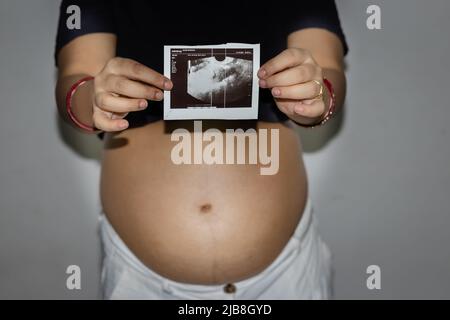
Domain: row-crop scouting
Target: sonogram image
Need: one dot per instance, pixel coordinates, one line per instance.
(219, 82)
(211, 78)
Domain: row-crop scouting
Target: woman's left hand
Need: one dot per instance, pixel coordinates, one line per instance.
(295, 80)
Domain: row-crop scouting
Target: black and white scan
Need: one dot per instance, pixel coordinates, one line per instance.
(211, 78)
(219, 82)
(215, 82)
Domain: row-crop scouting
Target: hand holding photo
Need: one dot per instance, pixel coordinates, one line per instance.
(212, 82)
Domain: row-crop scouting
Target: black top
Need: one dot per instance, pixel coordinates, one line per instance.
(144, 27)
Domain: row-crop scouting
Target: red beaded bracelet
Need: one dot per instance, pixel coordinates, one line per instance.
(69, 96)
(331, 107)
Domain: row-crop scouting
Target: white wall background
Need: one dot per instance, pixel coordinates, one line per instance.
(381, 183)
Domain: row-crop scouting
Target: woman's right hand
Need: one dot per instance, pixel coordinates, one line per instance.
(124, 86)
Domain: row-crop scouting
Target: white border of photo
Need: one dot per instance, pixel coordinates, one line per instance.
(235, 113)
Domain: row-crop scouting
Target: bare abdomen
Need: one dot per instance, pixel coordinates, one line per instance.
(205, 224)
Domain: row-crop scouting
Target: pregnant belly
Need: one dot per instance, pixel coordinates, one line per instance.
(205, 224)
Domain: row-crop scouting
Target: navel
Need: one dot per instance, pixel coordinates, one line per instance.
(205, 208)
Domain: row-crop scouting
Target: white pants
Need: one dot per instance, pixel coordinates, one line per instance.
(301, 271)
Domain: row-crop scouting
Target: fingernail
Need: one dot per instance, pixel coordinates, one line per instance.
(167, 84)
(262, 83)
(159, 95)
(143, 104)
(276, 92)
(262, 72)
(123, 124)
(299, 110)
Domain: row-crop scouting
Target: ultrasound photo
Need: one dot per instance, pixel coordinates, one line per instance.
(220, 81)
(212, 82)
